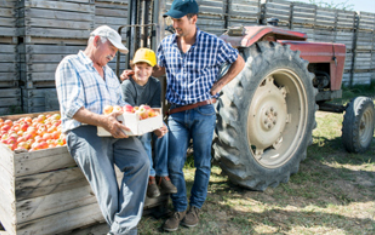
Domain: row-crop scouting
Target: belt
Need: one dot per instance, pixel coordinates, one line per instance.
(192, 106)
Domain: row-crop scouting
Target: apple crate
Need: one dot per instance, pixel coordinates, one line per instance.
(44, 192)
(137, 126)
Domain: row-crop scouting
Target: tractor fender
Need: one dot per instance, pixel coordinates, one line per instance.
(253, 34)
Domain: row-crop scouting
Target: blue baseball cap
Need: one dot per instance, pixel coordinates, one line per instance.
(181, 8)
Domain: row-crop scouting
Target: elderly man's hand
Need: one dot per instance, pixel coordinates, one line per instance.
(126, 74)
(115, 127)
(161, 131)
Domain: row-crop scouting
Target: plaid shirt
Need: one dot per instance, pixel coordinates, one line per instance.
(79, 85)
(191, 75)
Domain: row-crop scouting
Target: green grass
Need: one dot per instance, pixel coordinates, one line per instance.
(333, 192)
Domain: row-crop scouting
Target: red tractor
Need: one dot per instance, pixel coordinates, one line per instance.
(266, 115)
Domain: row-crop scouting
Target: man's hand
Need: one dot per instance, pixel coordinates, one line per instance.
(126, 74)
(113, 126)
(161, 131)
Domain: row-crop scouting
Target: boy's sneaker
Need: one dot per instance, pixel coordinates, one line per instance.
(152, 188)
(172, 223)
(166, 184)
(192, 217)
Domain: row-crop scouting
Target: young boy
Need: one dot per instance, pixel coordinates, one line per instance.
(140, 89)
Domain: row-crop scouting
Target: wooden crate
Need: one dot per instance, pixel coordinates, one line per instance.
(325, 18)
(345, 20)
(324, 34)
(10, 100)
(7, 19)
(38, 63)
(244, 12)
(364, 40)
(303, 14)
(366, 21)
(55, 19)
(348, 61)
(359, 78)
(308, 29)
(34, 100)
(280, 9)
(44, 192)
(346, 37)
(362, 61)
(113, 13)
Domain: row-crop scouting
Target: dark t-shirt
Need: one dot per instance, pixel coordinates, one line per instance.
(135, 95)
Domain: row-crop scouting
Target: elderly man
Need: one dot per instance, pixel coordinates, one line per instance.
(85, 84)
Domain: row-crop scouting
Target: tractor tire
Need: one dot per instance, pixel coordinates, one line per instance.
(358, 125)
(265, 117)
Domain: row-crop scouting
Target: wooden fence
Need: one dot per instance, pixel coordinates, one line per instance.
(36, 34)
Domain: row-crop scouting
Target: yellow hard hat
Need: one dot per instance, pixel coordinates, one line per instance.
(145, 55)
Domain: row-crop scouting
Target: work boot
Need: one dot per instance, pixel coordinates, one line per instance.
(166, 184)
(152, 188)
(172, 223)
(192, 217)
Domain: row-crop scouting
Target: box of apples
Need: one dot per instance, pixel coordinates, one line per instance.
(139, 119)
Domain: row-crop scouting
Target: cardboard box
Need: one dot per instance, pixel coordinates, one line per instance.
(136, 126)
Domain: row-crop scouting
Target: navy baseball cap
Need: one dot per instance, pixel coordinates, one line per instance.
(181, 8)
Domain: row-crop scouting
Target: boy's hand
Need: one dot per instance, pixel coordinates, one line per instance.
(161, 131)
(115, 127)
(126, 74)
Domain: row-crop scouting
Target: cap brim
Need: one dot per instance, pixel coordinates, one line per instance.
(144, 61)
(119, 46)
(175, 14)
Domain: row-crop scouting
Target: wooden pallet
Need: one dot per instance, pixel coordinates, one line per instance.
(364, 40)
(324, 34)
(325, 18)
(44, 192)
(7, 19)
(362, 61)
(346, 37)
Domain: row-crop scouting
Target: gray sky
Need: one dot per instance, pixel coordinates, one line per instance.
(358, 5)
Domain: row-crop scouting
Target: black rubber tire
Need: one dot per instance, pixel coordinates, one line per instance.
(231, 147)
(357, 129)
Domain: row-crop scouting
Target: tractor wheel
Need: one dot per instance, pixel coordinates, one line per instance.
(265, 117)
(358, 125)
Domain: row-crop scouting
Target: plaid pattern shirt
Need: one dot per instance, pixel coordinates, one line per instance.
(79, 85)
(191, 75)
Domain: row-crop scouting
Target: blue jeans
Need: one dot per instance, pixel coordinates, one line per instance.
(198, 124)
(96, 156)
(160, 150)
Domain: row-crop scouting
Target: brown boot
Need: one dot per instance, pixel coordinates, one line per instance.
(192, 217)
(172, 223)
(152, 188)
(166, 185)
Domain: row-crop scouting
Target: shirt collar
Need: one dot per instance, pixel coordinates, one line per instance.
(174, 38)
(84, 58)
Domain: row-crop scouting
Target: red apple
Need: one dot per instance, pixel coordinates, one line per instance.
(128, 108)
(107, 109)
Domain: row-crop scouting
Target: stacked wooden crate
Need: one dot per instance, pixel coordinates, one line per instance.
(113, 13)
(244, 12)
(10, 94)
(345, 32)
(303, 18)
(48, 30)
(325, 25)
(43, 192)
(280, 9)
(373, 60)
(362, 68)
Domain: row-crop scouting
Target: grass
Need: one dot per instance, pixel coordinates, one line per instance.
(333, 192)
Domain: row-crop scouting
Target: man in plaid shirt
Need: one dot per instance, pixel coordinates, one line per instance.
(85, 84)
(191, 59)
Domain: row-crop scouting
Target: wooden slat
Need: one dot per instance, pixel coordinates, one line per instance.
(10, 92)
(58, 15)
(42, 160)
(58, 5)
(55, 33)
(6, 102)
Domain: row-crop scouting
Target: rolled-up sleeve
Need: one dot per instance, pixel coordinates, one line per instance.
(69, 89)
(226, 53)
